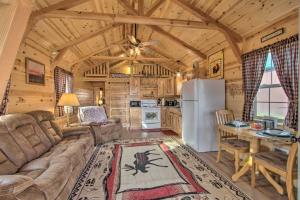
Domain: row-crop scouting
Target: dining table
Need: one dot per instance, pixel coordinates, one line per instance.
(255, 139)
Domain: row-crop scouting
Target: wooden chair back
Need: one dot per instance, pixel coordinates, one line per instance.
(224, 116)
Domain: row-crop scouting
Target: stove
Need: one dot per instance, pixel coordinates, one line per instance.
(150, 114)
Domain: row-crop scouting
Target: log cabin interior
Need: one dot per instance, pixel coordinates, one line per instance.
(149, 99)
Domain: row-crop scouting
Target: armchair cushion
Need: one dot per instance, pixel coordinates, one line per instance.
(14, 184)
(92, 114)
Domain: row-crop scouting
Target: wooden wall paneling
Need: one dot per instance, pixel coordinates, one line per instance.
(32, 97)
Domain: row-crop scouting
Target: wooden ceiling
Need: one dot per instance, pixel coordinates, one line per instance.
(93, 31)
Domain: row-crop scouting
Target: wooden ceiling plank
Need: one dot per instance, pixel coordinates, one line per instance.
(85, 37)
(165, 33)
(206, 18)
(230, 35)
(155, 59)
(36, 15)
(154, 7)
(129, 19)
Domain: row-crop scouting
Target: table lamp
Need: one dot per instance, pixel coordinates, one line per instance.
(68, 99)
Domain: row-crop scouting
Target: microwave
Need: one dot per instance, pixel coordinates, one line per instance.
(135, 103)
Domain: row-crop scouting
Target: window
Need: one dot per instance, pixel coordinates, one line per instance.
(63, 84)
(271, 100)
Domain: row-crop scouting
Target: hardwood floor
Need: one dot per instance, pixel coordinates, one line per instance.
(263, 190)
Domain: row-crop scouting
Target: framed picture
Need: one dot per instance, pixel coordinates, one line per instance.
(35, 72)
(216, 65)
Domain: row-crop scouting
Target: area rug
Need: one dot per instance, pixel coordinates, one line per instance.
(154, 168)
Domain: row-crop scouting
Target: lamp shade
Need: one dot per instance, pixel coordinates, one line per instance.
(68, 99)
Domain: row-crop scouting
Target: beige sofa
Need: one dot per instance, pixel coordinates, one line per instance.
(38, 161)
(103, 128)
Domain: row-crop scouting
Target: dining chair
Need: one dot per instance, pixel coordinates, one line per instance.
(229, 142)
(277, 163)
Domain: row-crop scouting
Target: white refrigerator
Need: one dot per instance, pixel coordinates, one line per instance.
(200, 100)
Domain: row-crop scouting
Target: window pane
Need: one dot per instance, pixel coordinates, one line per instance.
(269, 62)
(266, 80)
(262, 109)
(279, 110)
(278, 95)
(275, 79)
(263, 95)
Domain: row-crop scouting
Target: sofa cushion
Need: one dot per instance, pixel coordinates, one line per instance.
(21, 140)
(54, 179)
(46, 121)
(95, 114)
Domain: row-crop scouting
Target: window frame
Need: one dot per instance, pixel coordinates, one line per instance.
(269, 87)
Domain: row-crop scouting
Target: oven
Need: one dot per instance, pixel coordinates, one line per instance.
(150, 114)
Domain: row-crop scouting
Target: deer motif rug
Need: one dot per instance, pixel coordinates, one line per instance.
(155, 168)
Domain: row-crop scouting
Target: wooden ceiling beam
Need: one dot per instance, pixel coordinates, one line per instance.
(62, 5)
(163, 53)
(129, 19)
(141, 7)
(231, 36)
(165, 33)
(85, 37)
(130, 58)
(86, 57)
(179, 42)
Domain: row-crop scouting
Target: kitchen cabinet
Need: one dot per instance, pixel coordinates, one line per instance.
(135, 118)
(163, 118)
(171, 119)
(169, 87)
(135, 84)
(160, 87)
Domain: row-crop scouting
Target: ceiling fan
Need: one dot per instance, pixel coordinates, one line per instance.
(136, 46)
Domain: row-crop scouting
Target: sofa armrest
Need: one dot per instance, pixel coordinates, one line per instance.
(73, 131)
(11, 185)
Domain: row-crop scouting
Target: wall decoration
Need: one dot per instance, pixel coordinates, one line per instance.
(216, 65)
(272, 35)
(234, 89)
(35, 72)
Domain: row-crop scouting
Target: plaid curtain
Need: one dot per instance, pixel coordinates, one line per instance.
(253, 71)
(286, 61)
(63, 84)
(4, 102)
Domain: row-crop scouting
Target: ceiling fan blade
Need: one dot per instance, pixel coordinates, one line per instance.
(132, 39)
(151, 42)
(147, 50)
